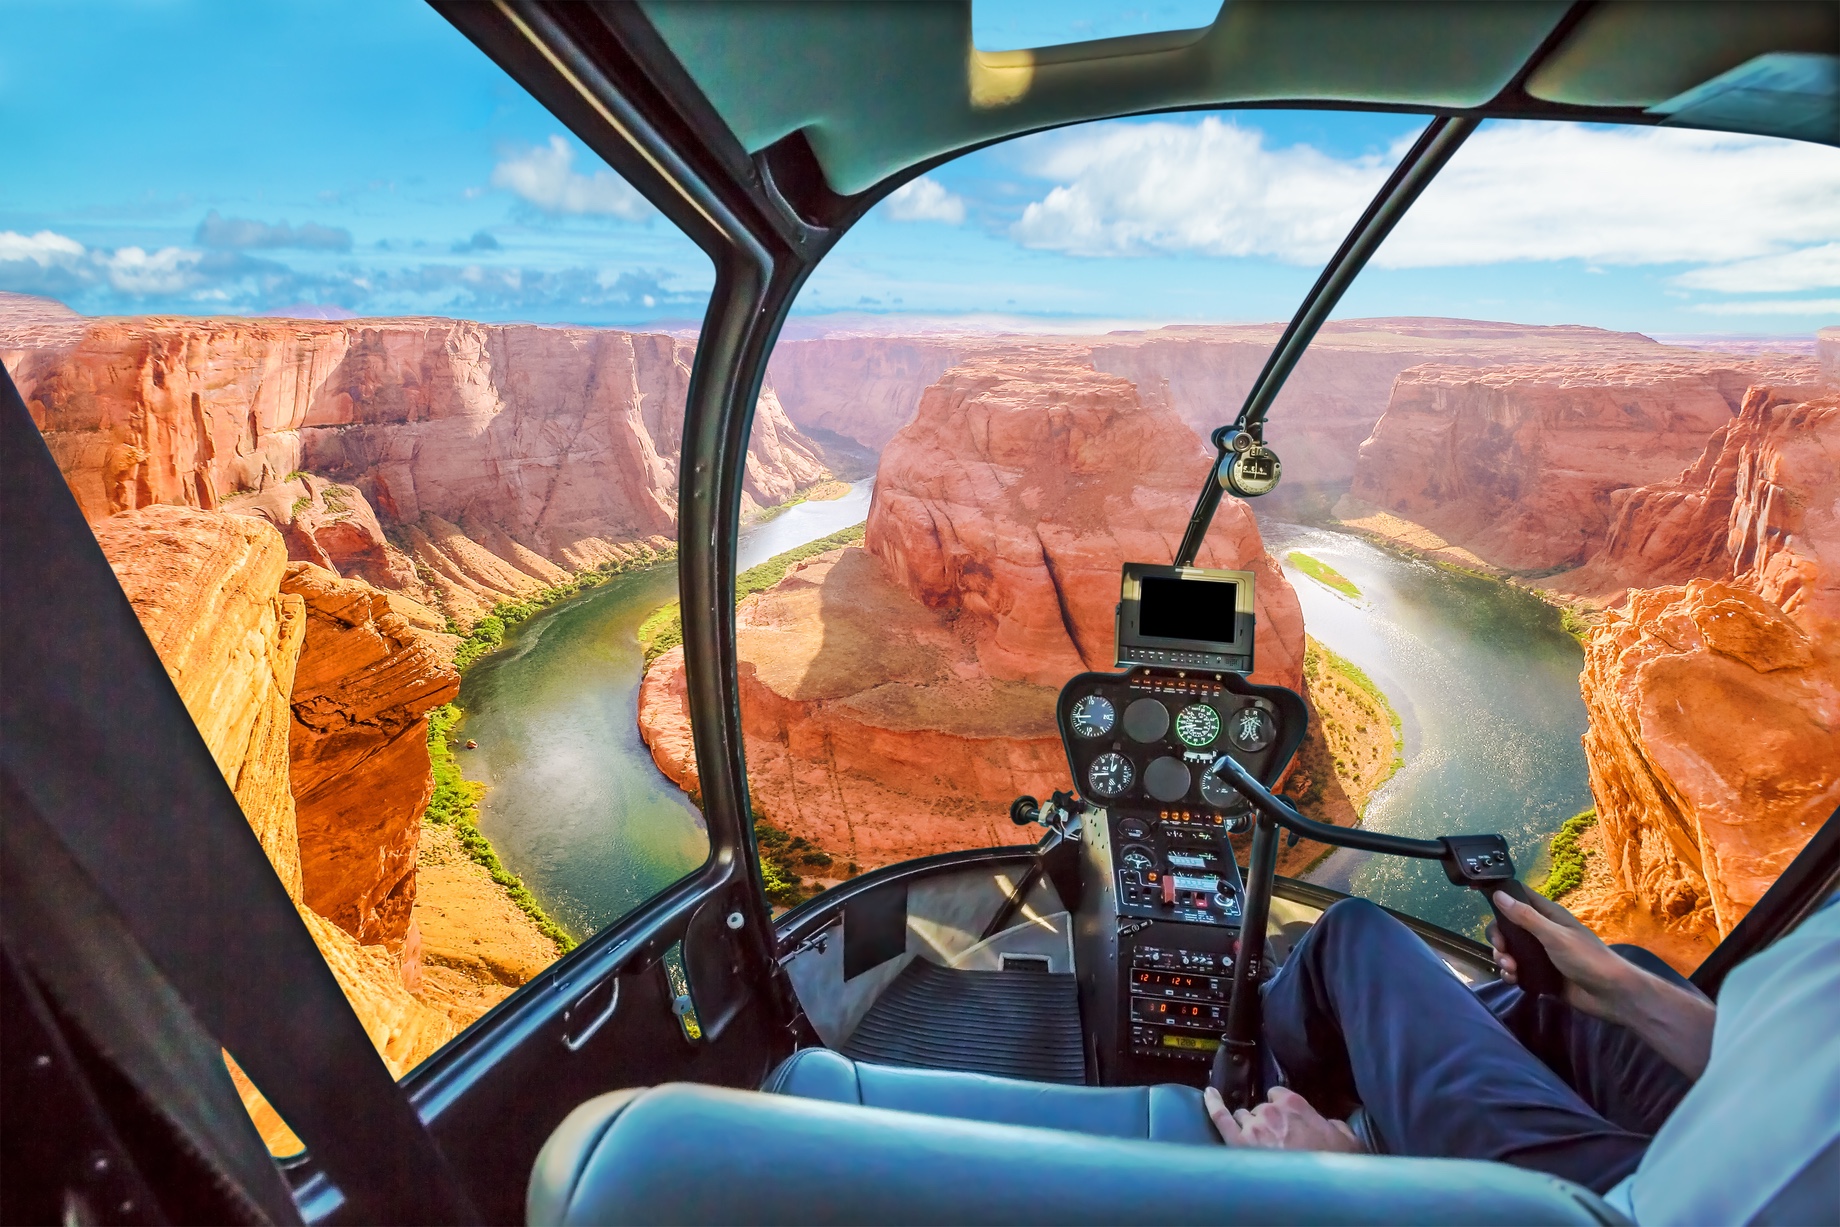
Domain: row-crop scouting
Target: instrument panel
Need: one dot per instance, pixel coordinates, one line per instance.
(1139, 744)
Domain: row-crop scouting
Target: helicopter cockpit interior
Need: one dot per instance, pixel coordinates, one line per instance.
(1021, 1033)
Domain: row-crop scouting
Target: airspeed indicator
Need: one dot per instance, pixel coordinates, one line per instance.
(1198, 725)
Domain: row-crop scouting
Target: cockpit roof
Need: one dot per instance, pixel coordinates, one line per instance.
(879, 88)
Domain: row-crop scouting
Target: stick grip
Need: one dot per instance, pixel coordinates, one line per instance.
(1533, 967)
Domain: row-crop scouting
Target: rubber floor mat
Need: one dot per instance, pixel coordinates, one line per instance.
(1016, 1024)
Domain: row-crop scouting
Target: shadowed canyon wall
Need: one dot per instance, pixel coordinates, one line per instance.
(896, 696)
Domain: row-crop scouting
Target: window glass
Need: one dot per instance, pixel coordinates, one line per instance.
(370, 379)
(1548, 557)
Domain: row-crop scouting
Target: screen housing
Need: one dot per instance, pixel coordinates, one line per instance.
(1134, 647)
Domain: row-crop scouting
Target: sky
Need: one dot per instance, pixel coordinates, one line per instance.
(210, 157)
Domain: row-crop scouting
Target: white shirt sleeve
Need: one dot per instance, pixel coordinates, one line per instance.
(1758, 1129)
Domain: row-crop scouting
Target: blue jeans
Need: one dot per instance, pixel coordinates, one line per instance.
(1364, 1013)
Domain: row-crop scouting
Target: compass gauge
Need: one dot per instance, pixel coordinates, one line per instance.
(1110, 774)
(1197, 725)
(1093, 716)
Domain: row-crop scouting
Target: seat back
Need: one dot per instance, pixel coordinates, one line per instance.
(697, 1154)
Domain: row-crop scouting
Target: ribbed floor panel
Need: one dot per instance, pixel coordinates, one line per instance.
(1016, 1024)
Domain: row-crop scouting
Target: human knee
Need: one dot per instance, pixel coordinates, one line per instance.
(1360, 922)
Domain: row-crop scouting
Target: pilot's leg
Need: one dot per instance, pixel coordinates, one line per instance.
(1364, 1010)
(1611, 1067)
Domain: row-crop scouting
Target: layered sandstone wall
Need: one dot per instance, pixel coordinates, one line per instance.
(896, 696)
(452, 460)
(1525, 466)
(1714, 743)
(208, 588)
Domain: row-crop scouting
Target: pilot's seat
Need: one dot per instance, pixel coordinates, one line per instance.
(1166, 1113)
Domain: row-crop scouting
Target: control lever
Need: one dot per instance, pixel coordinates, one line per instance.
(1481, 862)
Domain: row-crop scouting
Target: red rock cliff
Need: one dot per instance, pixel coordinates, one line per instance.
(1714, 742)
(1525, 465)
(499, 456)
(896, 697)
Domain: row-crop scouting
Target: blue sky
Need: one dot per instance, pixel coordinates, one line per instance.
(245, 158)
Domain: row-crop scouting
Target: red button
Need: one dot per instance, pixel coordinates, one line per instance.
(1169, 890)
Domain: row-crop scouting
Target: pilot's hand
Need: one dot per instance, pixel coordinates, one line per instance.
(1596, 979)
(1285, 1122)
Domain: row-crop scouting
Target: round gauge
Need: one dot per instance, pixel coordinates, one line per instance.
(1137, 858)
(1093, 716)
(1252, 472)
(1197, 725)
(1252, 729)
(1167, 779)
(1146, 720)
(1220, 794)
(1133, 828)
(1110, 774)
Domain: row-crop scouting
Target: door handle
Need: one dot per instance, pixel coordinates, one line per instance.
(581, 1020)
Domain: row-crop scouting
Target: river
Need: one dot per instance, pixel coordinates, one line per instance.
(574, 804)
(1484, 679)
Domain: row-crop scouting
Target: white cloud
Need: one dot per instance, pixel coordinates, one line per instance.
(1210, 188)
(1620, 196)
(1767, 212)
(545, 176)
(43, 249)
(1808, 268)
(134, 271)
(925, 200)
(1774, 306)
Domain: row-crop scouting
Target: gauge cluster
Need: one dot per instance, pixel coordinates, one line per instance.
(1145, 738)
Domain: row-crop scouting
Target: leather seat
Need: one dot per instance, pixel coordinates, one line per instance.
(703, 1154)
(1155, 1113)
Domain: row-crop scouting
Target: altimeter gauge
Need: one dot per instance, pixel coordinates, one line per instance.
(1221, 795)
(1110, 774)
(1197, 725)
(1093, 716)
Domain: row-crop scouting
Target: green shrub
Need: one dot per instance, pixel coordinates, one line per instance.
(1323, 574)
(1568, 858)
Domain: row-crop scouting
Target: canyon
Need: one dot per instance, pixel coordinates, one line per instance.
(898, 694)
(1691, 504)
(866, 387)
(302, 511)
(454, 462)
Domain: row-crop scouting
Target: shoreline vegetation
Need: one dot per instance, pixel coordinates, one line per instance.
(1567, 856)
(454, 802)
(1362, 728)
(1577, 616)
(1323, 574)
(664, 629)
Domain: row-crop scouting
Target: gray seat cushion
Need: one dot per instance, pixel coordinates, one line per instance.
(1156, 1113)
(704, 1154)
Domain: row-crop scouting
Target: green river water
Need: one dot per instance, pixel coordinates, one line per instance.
(1483, 676)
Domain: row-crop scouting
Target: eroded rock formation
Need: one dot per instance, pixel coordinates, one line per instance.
(1714, 743)
(896, 696)
(358, 750)
(1525, 465)
(208, 589)
(547, 449)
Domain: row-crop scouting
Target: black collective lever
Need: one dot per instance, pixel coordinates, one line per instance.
(1482, 863)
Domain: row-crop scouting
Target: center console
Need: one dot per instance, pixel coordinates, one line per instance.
(1161, 892)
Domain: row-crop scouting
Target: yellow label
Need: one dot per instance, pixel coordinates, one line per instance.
(1190, 1041)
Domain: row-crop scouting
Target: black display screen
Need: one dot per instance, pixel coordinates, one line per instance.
(1187, 609)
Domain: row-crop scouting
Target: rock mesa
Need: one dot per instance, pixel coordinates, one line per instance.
(897, 695)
